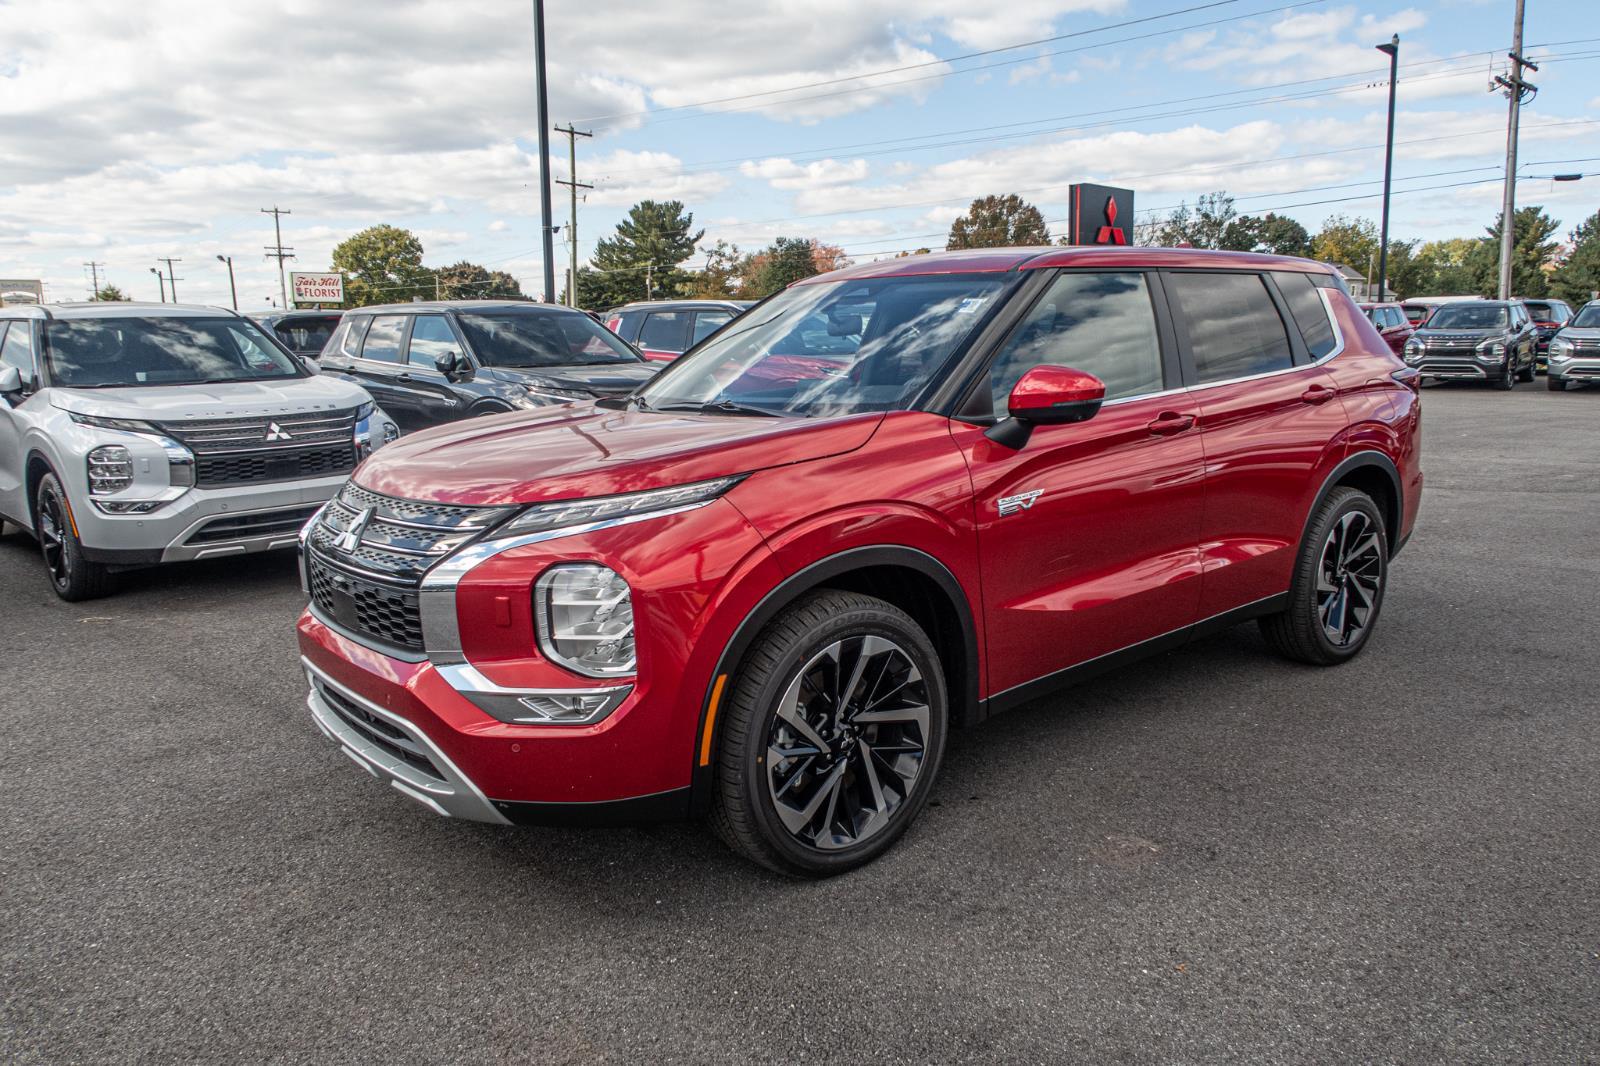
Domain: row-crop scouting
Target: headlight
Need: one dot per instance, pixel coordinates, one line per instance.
(365, 411)
(1413, 345)
(584, 616)
(110, 469)
(604, 508)
(1560, 350)
(130, 425)
(544, 394)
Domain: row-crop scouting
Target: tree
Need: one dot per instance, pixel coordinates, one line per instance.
(1345, 241)
(1202, 227)
(1443, 268)
(382, 264)
(1578, 278)
(776, 267)
(1532, 251)
(919, 251)
(111, 293)
(999, 222)
(1277, 234)
(1408, 275)
(640, 261)
(469, 281)
(719, 280)
(826, 257)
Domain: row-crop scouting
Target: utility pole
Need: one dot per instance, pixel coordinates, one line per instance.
(233, 289)
(161, 279)
(172, 276)
(1515, 88)
(94, 278)
(572, 217)
(648, 293)
(546, 229)
(277, 251)
(1393, 51)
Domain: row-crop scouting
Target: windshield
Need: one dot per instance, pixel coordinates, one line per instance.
(830, 348)
(1588, 317)
(542, 338)
(306, 334)
(1467, 316)
(1546, 312)
(108, 352)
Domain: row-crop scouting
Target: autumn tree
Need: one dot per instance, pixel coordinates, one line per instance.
(777, 266)
(1578, 278)
(1444, 268)
(1346, 241)
(382, 264)
(999, 222)
(826, 257)
(719, 279)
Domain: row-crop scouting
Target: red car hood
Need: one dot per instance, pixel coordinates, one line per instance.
(576, 451)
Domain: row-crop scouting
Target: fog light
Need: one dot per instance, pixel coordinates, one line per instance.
(128, 506)
(110, 469)
(585, 619)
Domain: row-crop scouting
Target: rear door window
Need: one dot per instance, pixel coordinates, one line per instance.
(383, 339)
(666, 331)
(708, 322)
(1310, 313)
(1233, 325)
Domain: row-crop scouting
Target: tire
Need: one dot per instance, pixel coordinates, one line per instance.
(1507, 380)
(1555, 384)
(884, 769)
(1526, 375)
(72, 576)
(1326, 570)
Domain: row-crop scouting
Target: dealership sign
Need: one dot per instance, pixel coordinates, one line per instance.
(317, 288)
(1099, 214)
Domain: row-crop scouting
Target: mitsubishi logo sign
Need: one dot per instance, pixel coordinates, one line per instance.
(350, 539)
(1099, 214)
(276, 434)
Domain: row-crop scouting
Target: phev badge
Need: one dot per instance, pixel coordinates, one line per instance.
(1020, 502)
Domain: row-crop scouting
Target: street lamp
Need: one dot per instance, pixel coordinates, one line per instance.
(231, 287)
(1392, 49)
(161, 279)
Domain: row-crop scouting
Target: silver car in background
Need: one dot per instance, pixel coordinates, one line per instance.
(1575, 351)
(134, 434)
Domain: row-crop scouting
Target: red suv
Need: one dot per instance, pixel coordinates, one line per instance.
(767, 597)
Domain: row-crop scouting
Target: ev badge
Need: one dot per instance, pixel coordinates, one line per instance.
(350, 539)
(275, 434)
(1020, 502)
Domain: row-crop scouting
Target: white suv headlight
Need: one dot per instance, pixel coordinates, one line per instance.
(584, 616)
(110, 469)
(1560, 350)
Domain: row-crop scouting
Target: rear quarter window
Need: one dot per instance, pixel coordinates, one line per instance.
(1310, 313)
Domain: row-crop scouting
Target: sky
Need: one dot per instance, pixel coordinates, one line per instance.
(135, 131)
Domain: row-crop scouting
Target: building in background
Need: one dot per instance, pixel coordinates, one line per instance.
(21, 291)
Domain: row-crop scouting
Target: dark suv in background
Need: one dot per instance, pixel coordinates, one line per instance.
(1548, 318)
(665, 329)
(1477, 340)
(304, 333)
(427, 363)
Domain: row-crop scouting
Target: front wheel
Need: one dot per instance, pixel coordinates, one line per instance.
(1508, 378)
(1338, 583)
(831, 737)
(1555, 384)
(72, 576)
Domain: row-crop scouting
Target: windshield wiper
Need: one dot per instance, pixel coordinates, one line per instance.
(724, 407)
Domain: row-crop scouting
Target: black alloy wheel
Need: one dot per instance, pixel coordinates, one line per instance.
(1508, 375)
(71, 575)
(1338, 584)
(832, 736)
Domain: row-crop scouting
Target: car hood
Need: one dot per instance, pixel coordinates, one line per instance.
(1462, 334)
(601, 379)
(574, 451)
(175, 403)
(1586, 333)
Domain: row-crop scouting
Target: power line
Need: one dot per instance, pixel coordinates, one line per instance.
(172, 277)
(94, 278)
(277, 251)
(573, 185)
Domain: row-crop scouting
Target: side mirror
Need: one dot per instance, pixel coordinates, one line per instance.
(10, 381)
(448, 364)
(1047, 396)
(311, 365)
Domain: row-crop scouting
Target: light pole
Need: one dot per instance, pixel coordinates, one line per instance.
(232, 289)
(1393, 51)
(546, 230)
(161, 279)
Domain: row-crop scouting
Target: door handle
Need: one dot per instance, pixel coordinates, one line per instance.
(1168, 423)
(403, 378)
(1317, 394)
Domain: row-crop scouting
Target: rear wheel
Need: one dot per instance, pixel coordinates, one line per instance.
(1526, 374)
(1337, 590)
(831, 737)
(71, 575)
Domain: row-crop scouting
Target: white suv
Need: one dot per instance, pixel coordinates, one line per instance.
(133, 434)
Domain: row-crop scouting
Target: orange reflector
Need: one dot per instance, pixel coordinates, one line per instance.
(711, 720)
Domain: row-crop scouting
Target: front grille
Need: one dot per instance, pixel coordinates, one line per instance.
(1450, 344)
(1585, 345)
(378, 732)
(276, 465)
(368, 584)
(264, 524)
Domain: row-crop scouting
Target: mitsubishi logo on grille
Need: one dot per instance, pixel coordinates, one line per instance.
(274, 433)
(350, 539)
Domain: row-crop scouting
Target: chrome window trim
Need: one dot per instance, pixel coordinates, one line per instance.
(436, 596)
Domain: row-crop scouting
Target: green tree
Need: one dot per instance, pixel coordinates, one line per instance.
(1531, 253)
(1408, 275)
(776, 267)
(110, 293)
(655, 235)
(1578, 278)
(719, 279)
(1277, 234)
(999, 222)
(469, 281)
(382, 264)
(1444, 268)
(1202, 227)
(1345, 241)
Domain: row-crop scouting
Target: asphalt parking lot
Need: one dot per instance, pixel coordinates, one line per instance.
(1215, 855)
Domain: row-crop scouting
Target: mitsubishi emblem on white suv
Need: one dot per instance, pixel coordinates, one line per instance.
(274, 433)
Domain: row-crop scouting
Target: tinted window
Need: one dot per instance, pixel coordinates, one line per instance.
(347, 339)
(1588, 316)
(1234, 328)
(306, 334)
(161, 351)
(17, 351)
(1415, 314)
(1468, 316)
(1100, 323)
(666, 331)
(431, 337)
(383, 339)
(542, 338)
(708, 322)
(1310, 313)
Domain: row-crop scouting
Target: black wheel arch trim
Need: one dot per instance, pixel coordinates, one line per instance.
(1357, 461)
(791, 588)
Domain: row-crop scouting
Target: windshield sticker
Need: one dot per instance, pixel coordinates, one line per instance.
(970, 305)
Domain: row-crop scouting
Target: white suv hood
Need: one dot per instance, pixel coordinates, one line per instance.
(176, 403)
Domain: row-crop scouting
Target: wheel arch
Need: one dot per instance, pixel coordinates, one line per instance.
(33, 471)
(1375, 474)
(912, 580)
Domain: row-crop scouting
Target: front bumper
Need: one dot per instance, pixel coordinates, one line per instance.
(1587, 369)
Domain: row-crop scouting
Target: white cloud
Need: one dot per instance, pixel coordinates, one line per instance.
(785, 174)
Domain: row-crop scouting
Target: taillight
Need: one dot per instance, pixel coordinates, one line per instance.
(613, 323)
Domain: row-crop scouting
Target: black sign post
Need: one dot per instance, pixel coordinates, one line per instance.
(1099, 214)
